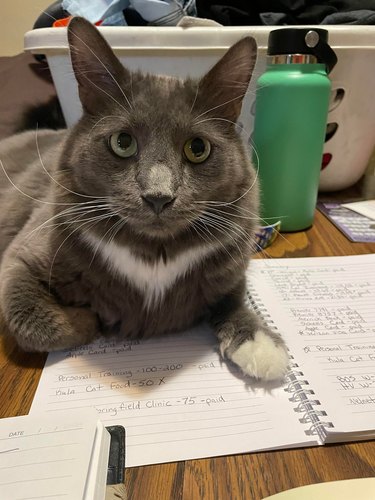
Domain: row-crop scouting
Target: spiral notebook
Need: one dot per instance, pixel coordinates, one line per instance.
(179, 401)
(325, 309)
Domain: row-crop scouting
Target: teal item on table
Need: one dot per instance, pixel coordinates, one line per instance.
(292, 99)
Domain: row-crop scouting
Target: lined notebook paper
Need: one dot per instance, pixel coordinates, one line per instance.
(174, 396)
(325, 308)
(47, 458)
(179, 401)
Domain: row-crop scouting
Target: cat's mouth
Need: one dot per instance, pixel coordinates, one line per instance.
(158, 226)
(165, 225)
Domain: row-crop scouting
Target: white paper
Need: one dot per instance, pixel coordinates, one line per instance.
(366, 208)
(174, 396)
(325, 309)
(45, 458)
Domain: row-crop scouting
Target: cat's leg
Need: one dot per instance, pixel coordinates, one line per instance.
(247, 341)
(34, 317)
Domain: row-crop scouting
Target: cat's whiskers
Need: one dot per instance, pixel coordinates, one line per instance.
(256, 217)
(265, 223)
(219, 211)
(78, 218)
(198, 231)
(228, 229)
(220, 216)
(258, 248)
(79, 228)
(229, 223)
(223, 120)
(241, 196)
(131, 88)
(67, 211)
(100, 120)
(218, 106)
(32, 197)
(195, 99)
(41, 226)
(214, 204)
(205, 224)
(240, 210)
(119, 222)
(117, 228)
(201, 218)
(194, 225)
(239, 232)
(50, 176)
(251, 143)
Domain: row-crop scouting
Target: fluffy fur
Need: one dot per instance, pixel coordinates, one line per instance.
(84, 252)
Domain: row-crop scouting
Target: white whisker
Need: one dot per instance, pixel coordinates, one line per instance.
(50, 176)
(64, 241)
(225, 229)
(103, 238)
(100, 120)
(195, 99)
(27, 195)
(200, 221)
(219, 106)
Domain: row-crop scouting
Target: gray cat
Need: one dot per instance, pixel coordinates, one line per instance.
(140, 220)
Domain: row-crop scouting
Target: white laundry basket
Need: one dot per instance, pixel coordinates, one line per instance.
(192, 51)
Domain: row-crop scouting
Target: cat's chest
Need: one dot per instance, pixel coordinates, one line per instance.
(153, 280)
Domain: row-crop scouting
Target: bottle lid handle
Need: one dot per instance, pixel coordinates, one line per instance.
(320, 48)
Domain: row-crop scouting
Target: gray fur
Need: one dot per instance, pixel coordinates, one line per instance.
(55, 290)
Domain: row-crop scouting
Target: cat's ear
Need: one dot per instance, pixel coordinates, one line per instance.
(223, 88)
(98, 71)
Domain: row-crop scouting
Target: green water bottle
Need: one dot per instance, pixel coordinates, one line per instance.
(291, 110)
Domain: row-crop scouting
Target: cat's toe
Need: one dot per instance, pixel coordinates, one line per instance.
(262, 358)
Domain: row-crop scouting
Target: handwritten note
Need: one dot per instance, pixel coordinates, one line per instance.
(179, 401)
(325, 309)
(44, 458)
(175, 397)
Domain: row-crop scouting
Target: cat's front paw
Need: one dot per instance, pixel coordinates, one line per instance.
(261, 357)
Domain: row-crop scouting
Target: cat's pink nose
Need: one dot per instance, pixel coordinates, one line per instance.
(158, 202)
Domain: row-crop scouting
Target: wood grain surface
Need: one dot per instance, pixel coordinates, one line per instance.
(240, 477)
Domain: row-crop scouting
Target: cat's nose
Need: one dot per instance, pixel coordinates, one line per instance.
(158, 202)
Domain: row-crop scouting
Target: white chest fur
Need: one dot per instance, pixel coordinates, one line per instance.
(151, 279)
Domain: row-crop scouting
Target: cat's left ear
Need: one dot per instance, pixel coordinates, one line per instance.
(99, 73)
(223, 88)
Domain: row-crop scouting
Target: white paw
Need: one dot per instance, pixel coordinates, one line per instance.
(262, 358)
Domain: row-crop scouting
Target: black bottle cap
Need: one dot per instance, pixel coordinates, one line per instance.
(302, 41)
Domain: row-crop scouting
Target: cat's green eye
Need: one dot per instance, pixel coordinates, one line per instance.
(197, 150)
(123, 144)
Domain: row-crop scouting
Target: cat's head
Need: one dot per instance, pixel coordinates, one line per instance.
(158, 148)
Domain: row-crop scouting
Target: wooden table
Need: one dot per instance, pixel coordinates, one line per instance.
(241, 477)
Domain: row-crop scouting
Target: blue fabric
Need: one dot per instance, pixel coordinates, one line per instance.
(159, 12)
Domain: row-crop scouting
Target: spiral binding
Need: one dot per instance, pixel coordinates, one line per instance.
(296, 384)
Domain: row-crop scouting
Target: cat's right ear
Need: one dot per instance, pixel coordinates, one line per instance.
(99, 73)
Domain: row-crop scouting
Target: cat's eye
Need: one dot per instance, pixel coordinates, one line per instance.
(197, 150)
(123, 144)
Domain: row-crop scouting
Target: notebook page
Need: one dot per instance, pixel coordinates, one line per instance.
(325, 309)
(175, 398)
(45, 458)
